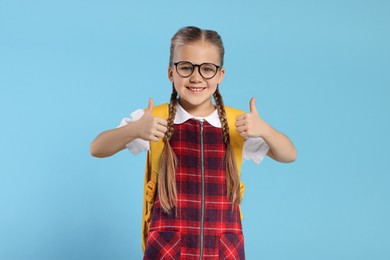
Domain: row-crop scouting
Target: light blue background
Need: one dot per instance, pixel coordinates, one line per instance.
(320, 71)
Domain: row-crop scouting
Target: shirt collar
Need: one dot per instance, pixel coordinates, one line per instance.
(182, 116)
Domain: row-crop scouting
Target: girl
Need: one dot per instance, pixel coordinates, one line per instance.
(195, 212)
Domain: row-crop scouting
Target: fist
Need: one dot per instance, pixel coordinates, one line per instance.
(149, 127)
(250, 124)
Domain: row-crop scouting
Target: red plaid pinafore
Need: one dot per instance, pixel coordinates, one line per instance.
(203, 225)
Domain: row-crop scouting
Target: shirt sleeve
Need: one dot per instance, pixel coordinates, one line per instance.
(255, 149)
(137, 145)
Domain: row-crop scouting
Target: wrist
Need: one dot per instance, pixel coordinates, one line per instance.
(266, 130)
(132, 130)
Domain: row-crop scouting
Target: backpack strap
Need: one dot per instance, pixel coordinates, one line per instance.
(236, 143)
(154, 156)
(151, 173)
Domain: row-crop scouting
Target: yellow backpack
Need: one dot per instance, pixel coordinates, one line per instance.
(153, 161)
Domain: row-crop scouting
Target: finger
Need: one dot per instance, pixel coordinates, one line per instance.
(150, 106)
(161, 121)
(241, 129)
(252, 106)
(244, 134)
(158, 134)
(240, 117)
(162, 129)
(240, 123)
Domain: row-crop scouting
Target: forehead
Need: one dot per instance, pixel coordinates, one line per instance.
(197, 53)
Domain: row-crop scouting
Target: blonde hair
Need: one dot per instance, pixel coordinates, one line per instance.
(166, 180)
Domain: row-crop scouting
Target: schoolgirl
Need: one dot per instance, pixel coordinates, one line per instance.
(195, 211)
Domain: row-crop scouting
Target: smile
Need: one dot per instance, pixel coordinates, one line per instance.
(196, 90)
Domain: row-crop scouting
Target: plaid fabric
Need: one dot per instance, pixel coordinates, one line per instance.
(232, 246)
(163, 245)
(180, 233)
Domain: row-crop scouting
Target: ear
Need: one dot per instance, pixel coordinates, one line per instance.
(170, 73)
(221, 75)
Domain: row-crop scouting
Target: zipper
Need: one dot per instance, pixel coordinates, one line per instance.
(203, 199)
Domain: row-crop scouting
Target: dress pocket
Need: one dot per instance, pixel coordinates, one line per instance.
(231, 246)
(162, 245)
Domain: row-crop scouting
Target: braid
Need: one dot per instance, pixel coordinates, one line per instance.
(166, 179)
(222, 116)
(232, 178)
(172, 113)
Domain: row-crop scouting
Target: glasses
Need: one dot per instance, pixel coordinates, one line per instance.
(186, 68)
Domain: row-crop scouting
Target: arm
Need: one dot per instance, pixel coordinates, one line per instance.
(112, 141)
(148, 128)
(251, 125)
(280, 147)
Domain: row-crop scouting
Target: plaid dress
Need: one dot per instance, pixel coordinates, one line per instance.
(203, 225)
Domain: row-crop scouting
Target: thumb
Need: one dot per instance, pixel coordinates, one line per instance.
(252, 106)
(150, 106)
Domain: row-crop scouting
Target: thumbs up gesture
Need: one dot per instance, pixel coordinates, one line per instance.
(149, 127)
(250, 124)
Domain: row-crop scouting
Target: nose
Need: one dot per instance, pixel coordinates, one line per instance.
(195, 76)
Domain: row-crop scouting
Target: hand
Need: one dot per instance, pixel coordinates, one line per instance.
(250, 124)
(151, 128)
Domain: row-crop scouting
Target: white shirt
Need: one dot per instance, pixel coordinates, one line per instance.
(255, 148)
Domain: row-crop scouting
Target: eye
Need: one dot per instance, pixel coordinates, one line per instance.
(185, 68)
(208, 68)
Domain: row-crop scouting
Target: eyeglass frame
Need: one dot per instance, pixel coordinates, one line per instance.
(196, 65)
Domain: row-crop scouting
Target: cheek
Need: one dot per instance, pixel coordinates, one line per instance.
(215, 82)
(178, 82)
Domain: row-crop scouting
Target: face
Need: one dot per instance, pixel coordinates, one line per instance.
(195, 92)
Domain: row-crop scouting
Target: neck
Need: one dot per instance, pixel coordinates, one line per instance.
(202, 110)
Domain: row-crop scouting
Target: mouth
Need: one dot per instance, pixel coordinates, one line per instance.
(195, 90)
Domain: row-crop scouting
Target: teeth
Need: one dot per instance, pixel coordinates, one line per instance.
(196, 89)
